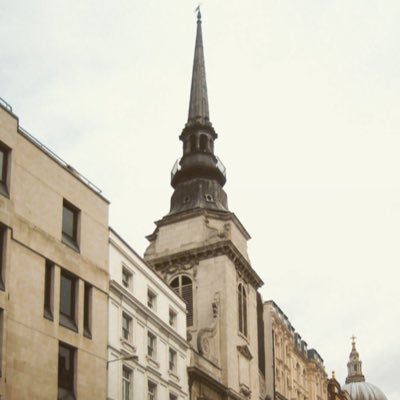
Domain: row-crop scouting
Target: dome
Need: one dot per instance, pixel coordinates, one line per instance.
(356, 386)
(364, 391)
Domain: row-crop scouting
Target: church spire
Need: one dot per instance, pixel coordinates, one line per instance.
(354, 366)
(199, 176)
(198, 105)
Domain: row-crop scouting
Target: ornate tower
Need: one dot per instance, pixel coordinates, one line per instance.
(198, 177)
(200, 249)
(354, 366)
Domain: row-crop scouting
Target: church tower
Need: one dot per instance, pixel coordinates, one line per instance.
(354, 366)
(200, 249)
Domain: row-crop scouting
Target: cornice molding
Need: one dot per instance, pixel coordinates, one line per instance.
(223, 247)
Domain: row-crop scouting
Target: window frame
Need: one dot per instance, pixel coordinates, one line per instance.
(151, 299)
(71, 241)
(69, 321)
(48, 303)
(3, 255)
(182, 290)
(126, 331)
(153, 387)
(127, 381)
(87, 309)
(71, 379)
(172, 360)
(242, 309)
(5, 166)
(172, 318)
(151, 345)
(126, 272)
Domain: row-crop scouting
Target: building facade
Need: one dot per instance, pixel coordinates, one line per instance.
(200, 249)
(54, 273)
(293, 372)
(147, 348)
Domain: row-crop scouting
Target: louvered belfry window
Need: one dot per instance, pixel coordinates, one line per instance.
(183, 286)
(242, 309)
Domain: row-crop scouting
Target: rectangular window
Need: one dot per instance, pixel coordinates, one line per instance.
(70, 220)
(126, 327)
(173, 396)
(68, 285)
(3, 245)
(1, 338)
(126, 278)
(66, 372)
(151, 299)
(126, 383)
(151, 345)
(87, 310)
(151, 391)
(172, 318)
(172, 360)
(4, 161)
(48, 290)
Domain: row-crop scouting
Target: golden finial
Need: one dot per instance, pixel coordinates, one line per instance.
(333, 375)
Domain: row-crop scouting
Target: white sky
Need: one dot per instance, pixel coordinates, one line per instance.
(305, 96)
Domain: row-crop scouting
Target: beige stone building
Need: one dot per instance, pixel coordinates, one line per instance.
(293, 372)
(54, 273)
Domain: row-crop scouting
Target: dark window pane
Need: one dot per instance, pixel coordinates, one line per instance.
(175, 283)
(2, 254)
(2, 164)
(66, 293)
(68, 222)
(65, 372)
(48, 288)
(87, 309)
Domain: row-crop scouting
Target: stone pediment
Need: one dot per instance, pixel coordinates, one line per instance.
(245, 351)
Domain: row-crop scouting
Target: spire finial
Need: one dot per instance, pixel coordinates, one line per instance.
(197, 10)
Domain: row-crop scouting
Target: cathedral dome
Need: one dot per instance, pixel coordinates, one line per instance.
(363, 391)
(356, 386)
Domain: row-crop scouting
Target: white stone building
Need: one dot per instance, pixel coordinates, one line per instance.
(147, 349)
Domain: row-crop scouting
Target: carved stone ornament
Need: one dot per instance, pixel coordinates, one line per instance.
(244, 389)
(245, 351)
(207, 343)
(178, 267)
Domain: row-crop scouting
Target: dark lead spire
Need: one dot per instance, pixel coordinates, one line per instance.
(198, 177)
(198, 105)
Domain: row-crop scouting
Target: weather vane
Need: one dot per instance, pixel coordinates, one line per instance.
(197, 10)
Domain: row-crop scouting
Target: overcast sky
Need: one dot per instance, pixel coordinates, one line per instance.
(305, 97)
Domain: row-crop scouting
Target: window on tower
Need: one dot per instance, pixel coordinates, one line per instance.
(203, 143)
(242, 309)
(183, 286)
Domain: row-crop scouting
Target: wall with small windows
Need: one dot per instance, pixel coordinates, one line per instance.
(147, 348)
(53, 291)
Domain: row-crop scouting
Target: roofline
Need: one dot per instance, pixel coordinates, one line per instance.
(53, 156)
(150, 268)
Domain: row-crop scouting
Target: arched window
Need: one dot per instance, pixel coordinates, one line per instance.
(203, 142)
(193, 143)
(183, 286)
(242, 309)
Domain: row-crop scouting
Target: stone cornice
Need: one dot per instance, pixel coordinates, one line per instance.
(221, 215)
(223, 247)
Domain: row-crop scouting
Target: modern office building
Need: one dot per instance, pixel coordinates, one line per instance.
(54, 273)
